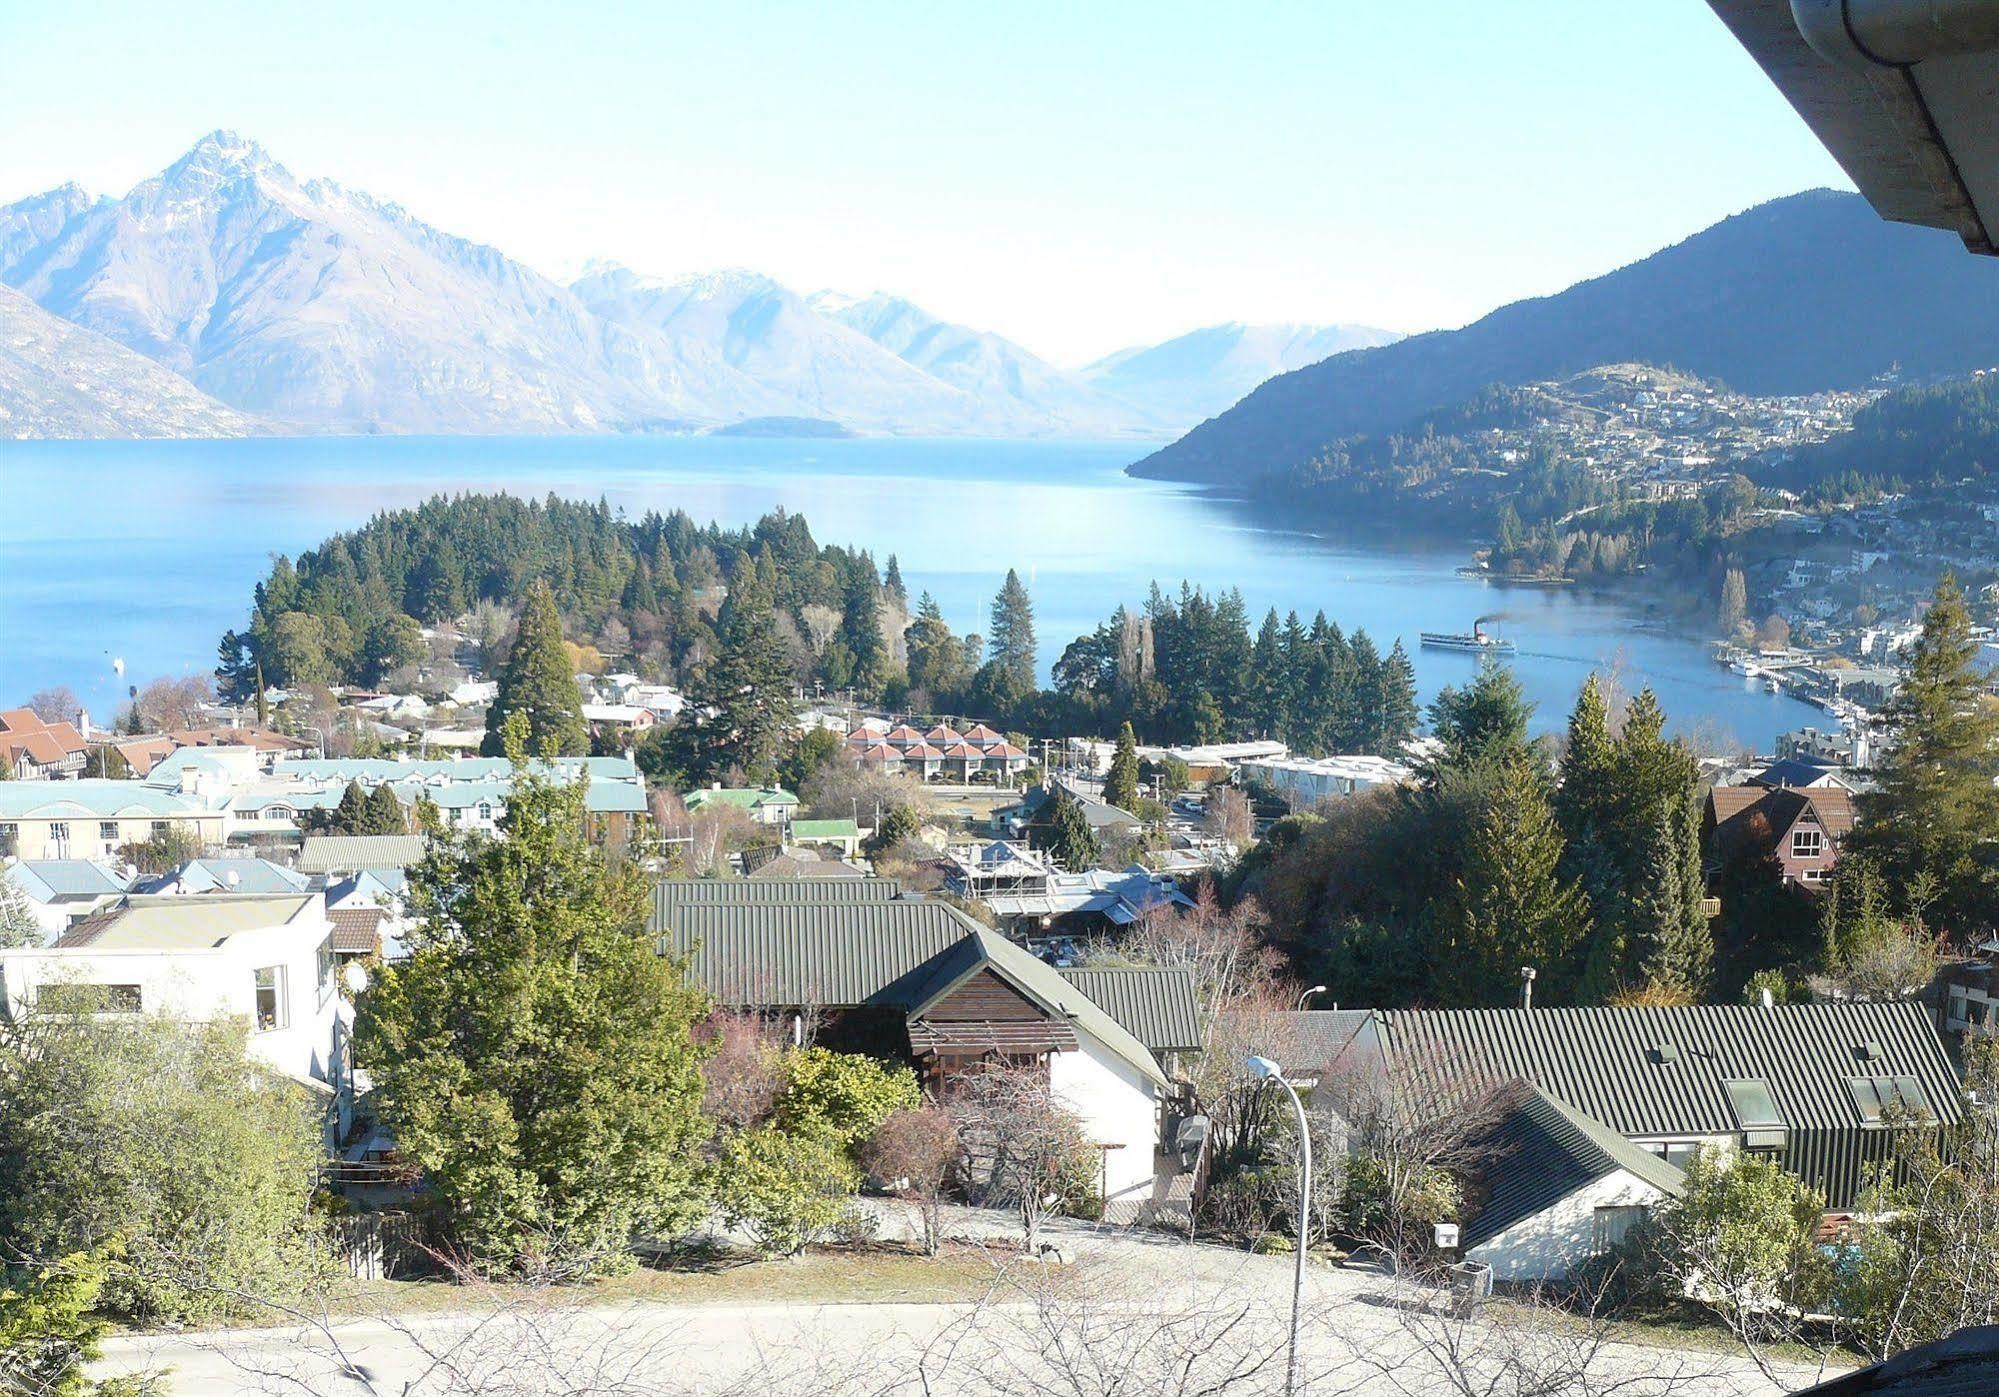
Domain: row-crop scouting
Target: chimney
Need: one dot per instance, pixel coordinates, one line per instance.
(1526, 987)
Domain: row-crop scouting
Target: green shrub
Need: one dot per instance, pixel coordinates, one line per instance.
(784, 1190)
(842, 1096)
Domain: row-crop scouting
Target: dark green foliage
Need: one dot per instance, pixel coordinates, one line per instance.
(1483, 724)
(533, 1052)
(1063, 831)
(1930, 820)
(1121, 781)
(739, 713)
(385, 813)
(1010, 641)
(899, 824)
(392, 642)
(539, 682)
(1510, 906)
(50, 1331)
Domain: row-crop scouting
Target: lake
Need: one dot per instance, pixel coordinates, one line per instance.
(147, 551)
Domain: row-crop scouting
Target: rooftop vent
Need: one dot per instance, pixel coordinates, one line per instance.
(1870, 1052)
(1665, 1054)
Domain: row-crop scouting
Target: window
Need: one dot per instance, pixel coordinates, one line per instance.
(161, 828)
(270, 998)
(280, 812)
(1807, 843)
(1679, 1153)
(58, 831)
(1612, 1223)
(10, 838)
(1814, 875)
(486, 812)
(324, 961)
(1957, 1006)
(107, 830)
(1756, 1113)
(1876, 1097)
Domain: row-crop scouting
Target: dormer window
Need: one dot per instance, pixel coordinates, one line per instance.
(1807, 842)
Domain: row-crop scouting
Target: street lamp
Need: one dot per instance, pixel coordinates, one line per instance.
(1316, 989)
(1263, 1069)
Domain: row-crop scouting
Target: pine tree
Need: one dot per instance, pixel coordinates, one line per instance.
(892, 585)
(740, 712)
(1398, 702)
(351, 815)
(1675, 941)
(1935, 807)
(860, 633)
(538, 681)
(1010, 641)
(1734, 612)
(1121, 781)
(1485, 723)
(1266, 678)
(384, 813)
(1510, 906)
(1064, 833)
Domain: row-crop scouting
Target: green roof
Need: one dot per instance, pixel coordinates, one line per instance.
(750, 948)
(1155, 1003)
(1543, 1150)
(673, 894)
(743, 797)
(807, 830)
(347, 853)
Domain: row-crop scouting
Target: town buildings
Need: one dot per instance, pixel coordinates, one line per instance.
(1305, 781)
(940, 754)
(34, 750)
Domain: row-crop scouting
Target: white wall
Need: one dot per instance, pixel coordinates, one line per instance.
(211, 983)
(1544, 1246)
(1117, 1106)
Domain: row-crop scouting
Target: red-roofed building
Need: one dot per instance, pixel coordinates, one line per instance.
(32, 750)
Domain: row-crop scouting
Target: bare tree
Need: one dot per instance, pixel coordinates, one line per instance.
(913, 1153)
(56, 705)
(1022, 1145)
(744, 1076)
(1228, 817)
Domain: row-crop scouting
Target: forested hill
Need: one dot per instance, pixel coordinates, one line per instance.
(1808, 292)
(1914, 438)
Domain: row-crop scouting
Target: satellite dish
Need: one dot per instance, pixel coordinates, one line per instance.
(353, 977)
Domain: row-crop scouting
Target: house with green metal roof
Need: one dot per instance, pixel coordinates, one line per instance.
(767, 805)
(919, 981)
(844, 835)
(1555, 1188)
(93, 818)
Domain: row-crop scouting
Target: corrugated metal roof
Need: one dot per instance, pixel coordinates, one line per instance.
(749, 948)
(1652, 1073)
(1155, 1003)
(1604, 1062)
(349, 853)
(1542, 1151)
(734, 892)
(180, 923)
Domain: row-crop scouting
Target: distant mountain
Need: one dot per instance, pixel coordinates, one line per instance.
(993, 370)
(1193, 376)
(1807, 292)
(61, 380)
(322, 308)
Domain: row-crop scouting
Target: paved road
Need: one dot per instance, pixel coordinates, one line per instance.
(1128, 1315)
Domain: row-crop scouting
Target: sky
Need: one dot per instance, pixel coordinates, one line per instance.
(1076, 177)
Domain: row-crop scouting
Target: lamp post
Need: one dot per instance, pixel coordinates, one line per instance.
(1265, 1070)
(1316, 989)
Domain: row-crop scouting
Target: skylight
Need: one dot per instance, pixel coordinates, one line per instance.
(1875, 1096)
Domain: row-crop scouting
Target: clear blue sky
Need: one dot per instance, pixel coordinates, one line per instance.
(1076, 176)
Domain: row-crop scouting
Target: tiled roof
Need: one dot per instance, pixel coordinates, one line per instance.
(1541, 1151)
(357, 930)
(1748, 816)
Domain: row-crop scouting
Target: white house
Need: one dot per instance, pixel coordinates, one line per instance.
(62, 891)
(1308, 780)
(93, 819)
(267, 960)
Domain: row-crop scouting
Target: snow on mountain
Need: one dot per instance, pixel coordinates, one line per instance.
(61, 380)
(992, 369)
(1193, 376)
(320, 307)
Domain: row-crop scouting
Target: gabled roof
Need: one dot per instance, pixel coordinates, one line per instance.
(825, 829)
(797, 864)
(1155, 1003)
(241, 875)
(749, 948)
(1756, 817)
(93, 799)
(357, 930)
(1542, 1150)
(64, 880)
(1608, 1063)
(743, 797)
(673, 894)
(347, 853)
(1796, 771)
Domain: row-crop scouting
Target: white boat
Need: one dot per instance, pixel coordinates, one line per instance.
(1475, 640)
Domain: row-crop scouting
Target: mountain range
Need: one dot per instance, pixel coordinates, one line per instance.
(1813, 291)
(312, 307)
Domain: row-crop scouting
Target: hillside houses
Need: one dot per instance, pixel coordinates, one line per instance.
(34, 750)
(940, 754)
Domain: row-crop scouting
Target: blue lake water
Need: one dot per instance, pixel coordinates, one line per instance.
(147, 551)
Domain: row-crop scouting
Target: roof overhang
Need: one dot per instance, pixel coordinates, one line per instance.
(1903, 93)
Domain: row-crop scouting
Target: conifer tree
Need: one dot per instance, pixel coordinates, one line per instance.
(1510, 906)
(1398, 702)
(351, 815)
(1121, 780)
(384, 813)
(893, 586)
(1485, 723)
(1675, 942)
(1010, 640)
(739, 714)
(1064, 833)
(534, 1050)
(539, 682)
(1935, 807)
